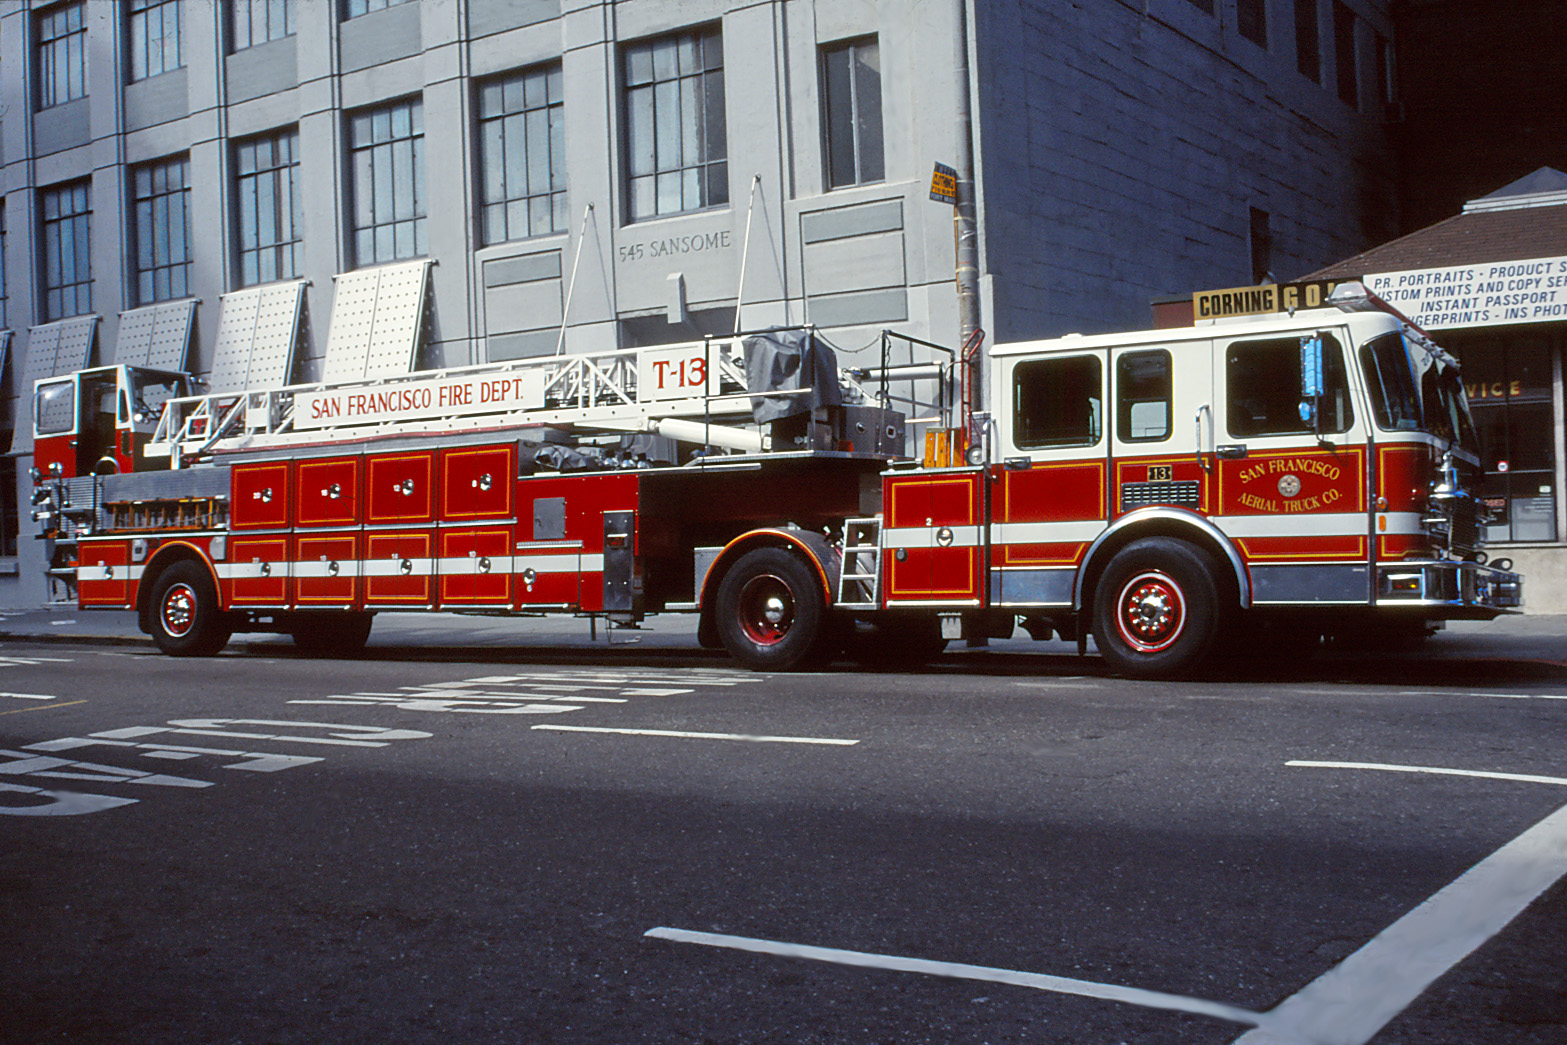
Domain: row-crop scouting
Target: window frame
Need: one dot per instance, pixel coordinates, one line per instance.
(1123, 405)
(160, 243)
(278, 176)
(70, 43)
(1022, 435)
(1308, 40)
(1251, 21)
(867, 170)
(1338, 395)
(1346, 56)
(500, 129)
(706, 175)
(52, 234)
(140, 16)
(360, 8)
(388, 150)
(243, 13)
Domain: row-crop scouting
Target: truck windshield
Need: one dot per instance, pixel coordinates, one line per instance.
(1447, 408)
(1395, 400)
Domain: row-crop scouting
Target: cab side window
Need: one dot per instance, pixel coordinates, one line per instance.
(1264, 388)
(1057, 402)
(1142, 396)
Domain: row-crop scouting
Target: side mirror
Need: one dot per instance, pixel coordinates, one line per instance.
(1311, 380)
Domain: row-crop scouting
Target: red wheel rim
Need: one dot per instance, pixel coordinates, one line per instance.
(178, 611)
(766, 609)
(1150, 612)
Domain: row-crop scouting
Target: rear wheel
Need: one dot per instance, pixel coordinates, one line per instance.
(185, 618)
(1156, 609)
(771, 611)
(333, 634)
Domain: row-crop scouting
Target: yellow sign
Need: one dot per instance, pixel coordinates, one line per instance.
(944, 185)
(1258, 300)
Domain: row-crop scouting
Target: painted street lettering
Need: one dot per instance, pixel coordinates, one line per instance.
(41, 760)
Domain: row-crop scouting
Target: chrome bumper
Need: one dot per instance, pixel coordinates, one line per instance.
(1455, 586)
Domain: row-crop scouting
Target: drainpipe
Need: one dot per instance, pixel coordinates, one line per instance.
(965, 229)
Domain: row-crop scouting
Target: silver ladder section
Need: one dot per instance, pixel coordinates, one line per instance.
(859, 581)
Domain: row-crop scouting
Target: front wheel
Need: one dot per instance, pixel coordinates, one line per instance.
(185, 618)
(1156, 609)
(771, 611)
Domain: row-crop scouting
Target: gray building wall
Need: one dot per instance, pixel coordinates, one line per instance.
(1124, 144)
(1119, 147)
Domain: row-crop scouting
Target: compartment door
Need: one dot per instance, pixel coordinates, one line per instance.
(932, 538)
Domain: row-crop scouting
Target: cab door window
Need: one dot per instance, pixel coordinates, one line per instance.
(1142, 396)
(1264, 380)
(1057, 402)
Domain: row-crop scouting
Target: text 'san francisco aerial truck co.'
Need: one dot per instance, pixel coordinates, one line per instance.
(1172, 493)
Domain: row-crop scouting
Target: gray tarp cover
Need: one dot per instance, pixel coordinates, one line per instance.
(782, 360)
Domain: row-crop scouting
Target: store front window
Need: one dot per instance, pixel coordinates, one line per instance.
(1509, 385)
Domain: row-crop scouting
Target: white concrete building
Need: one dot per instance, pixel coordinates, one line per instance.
(605, 173)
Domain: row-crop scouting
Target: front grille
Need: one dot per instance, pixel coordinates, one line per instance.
(1182, 493)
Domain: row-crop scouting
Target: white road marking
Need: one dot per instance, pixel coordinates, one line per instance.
(11, 662)
(1522, 778)
(1356, 998)
(29, 696)
(1496, 696)
(699, 736)
(951, 970)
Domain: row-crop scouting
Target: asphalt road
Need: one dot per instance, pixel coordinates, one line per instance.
(623, 846)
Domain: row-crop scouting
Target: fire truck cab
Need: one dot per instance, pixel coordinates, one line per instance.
(1313, 474)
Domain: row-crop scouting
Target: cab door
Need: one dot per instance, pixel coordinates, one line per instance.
(1291, 468)
(1049, 498)
(1161, 427)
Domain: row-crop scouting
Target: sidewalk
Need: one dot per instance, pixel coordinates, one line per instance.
(1534, 646)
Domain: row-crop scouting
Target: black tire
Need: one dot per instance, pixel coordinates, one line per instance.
(1157, 609)
(332, 634)
(184, 614)
(898, 641)
(772, 613)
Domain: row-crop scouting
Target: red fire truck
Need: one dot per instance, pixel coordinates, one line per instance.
(1172, 493)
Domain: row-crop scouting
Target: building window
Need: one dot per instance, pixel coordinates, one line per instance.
(387, 147)
(851, 113)
(1205, 6)
(1261, 236)
(160, 205)
(355, 8)
(253, 22)
(155, 37)
(67, 231)
(1344, 55)
(5, 298)
(522, 153)
(676, 138)
(1387, 81)
(62, 55)
(266, 190)
(1509, 384)
(1251, 19)
(1308, 51)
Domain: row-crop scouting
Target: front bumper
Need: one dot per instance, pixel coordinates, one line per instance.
(1452, 589)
